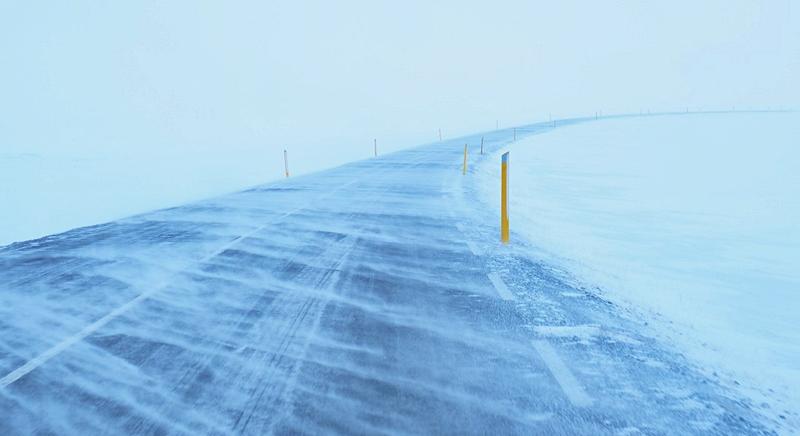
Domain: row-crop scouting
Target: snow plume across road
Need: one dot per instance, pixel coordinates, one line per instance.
(692, 218)
(372, 298)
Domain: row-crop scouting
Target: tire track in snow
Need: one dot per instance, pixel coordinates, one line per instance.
(270, 387)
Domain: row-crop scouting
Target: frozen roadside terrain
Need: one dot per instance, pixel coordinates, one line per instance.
(692, 219)
(53, 191)
(46, 193)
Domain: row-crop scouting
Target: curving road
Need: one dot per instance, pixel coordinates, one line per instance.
(372, 298)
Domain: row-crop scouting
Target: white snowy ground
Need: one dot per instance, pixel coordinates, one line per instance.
(52, 191)
(691, 219)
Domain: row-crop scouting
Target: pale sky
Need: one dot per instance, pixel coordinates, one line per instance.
(324, 78)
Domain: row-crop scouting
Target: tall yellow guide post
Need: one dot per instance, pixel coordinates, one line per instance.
(286, 163)
(464, 172)
(504, 199)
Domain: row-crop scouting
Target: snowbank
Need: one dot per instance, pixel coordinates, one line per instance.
(692, 219)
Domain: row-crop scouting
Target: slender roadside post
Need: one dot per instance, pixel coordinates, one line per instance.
(375, 144)
(286, 163)
(504, 199)
(481, 144)
(440, 135)
(515, 133)
(464, 171)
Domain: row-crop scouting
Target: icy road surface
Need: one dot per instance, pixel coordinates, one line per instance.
(372, 298)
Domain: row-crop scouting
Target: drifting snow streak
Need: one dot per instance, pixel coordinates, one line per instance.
(63, 345)
(91, 328)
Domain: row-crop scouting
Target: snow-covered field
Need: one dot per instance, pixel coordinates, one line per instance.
(692, 220)
(50, 192)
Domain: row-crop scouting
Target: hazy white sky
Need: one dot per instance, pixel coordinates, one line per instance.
(326, 77)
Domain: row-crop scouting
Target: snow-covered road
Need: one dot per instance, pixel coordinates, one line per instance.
(373, 298)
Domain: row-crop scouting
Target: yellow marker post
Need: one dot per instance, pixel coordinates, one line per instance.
(286, 163)
(504, 199)
(464, 172)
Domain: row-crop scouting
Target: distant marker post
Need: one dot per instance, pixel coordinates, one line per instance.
(440, 135)
(375, 145)
(286, 163)
(464, 171)
(515, 133)
(481, 144)
(504, 199)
